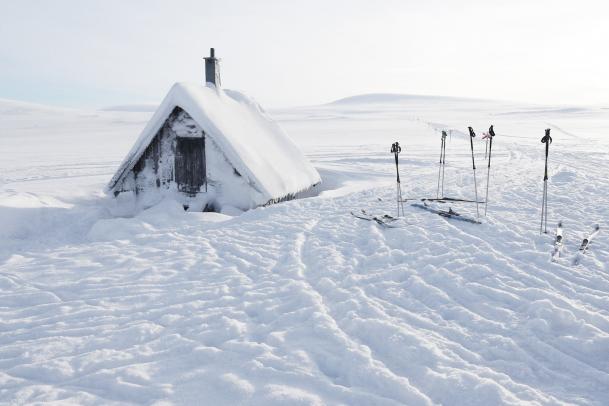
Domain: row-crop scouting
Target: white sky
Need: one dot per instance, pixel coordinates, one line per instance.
(97, 53)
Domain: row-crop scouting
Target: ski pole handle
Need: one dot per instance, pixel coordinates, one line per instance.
(472, 134)
(395, 148)
(546, 139)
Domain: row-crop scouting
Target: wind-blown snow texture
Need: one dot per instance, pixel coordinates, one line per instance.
(301, 303)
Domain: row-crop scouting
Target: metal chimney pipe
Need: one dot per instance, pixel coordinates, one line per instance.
(212, 69)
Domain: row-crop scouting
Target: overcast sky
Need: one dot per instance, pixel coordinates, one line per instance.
(283, 53)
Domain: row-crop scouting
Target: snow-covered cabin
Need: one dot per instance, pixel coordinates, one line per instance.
(214, 148)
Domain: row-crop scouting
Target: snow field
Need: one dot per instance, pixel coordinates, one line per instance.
(301, 303)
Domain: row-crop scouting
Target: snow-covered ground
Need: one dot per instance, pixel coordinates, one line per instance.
(301, 303)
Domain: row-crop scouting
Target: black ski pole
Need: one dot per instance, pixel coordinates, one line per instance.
(472, 134)
(544, 202)
(396, 149)
(489, 140)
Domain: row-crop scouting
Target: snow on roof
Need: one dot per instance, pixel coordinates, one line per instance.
(252, 142)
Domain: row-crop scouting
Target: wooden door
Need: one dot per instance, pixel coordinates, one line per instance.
(190, 164)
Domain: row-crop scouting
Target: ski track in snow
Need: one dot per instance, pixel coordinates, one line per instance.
(301, 303)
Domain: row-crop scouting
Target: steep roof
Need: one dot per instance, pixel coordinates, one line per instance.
(253, 143)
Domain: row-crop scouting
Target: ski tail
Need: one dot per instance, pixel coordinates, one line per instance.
(583, 248)
(558, 242)
(586, 242)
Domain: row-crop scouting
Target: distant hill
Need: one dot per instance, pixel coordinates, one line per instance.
(132, 108)
(17, 107)
(9, 106)
(384, 98)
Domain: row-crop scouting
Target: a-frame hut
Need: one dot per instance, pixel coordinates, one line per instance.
(213, 148)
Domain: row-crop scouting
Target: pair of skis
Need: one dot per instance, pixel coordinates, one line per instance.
(385, 220)
(450, 213)
(443, 200)
(559, 243)
(450, 199)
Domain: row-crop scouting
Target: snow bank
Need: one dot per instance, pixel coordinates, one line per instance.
(253, 144)
(24, 215)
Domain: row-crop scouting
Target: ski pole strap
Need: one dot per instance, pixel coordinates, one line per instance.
(443, 135)
(395, 148)
(472, 134)
(546, 139)
(491, 131)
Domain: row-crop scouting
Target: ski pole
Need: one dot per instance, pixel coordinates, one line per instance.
(544, 202)
(443, 159)
(472, 134)
(439, 169)
(441, 165)
(489, 140)
(486, 147)
(396, 149)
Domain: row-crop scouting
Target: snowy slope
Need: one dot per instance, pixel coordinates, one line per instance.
(300, 303)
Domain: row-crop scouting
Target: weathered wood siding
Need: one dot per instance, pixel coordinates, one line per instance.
(176, 154)
(190, 164)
